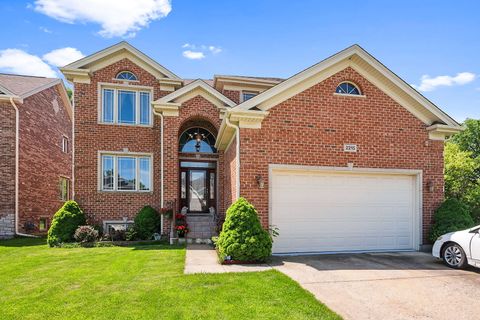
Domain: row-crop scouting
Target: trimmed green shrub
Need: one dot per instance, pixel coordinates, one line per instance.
(242, 237)
(452, 215)
(147, 222)
(86, 234)
(64, 224)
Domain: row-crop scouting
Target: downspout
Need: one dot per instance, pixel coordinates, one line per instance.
(161, 165)
(237, 159)
(17, 158)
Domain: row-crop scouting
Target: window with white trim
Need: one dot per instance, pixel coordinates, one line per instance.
(64, 189)
(347, 88)
(246, 95)
(126, 172)
(126, 75)
(126, 106)
(64, 144)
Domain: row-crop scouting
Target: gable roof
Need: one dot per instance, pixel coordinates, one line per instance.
(118, 51)
(24, 86)
(196, 87)
(20, 87)
(369, 67)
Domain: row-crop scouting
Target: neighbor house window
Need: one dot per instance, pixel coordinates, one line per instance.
(126, 173)
(126, 106)
(126, 75)
(248, 95)
(64, 189)
(347, 88)
(64, 144)
(42, 224)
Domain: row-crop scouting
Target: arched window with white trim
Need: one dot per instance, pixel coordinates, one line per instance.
(347, 88)
(126, 75)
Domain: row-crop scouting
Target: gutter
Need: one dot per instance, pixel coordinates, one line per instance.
(237, 159)
(17, 157)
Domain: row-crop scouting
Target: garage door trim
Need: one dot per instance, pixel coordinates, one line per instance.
(418, 191)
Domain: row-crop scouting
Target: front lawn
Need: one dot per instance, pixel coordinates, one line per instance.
(138, 282)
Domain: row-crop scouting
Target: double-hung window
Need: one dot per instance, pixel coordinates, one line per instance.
(126, 106)
(126, 172)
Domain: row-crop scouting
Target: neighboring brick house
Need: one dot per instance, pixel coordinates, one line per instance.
(343, 156)
(41, 152)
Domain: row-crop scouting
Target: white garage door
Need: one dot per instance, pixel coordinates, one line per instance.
(319, 211)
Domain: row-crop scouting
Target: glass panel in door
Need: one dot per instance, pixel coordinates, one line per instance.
(197, 201)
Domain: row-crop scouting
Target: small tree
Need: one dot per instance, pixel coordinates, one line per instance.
(64, 224)
(147, 222)
(242, 236)
(451, 216)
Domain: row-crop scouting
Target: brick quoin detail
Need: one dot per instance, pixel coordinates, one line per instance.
(311, 128)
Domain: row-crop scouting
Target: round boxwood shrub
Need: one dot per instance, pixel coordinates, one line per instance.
(452, 215)
(147, 222)
(64, 224)
(85, 234)
(242, 237)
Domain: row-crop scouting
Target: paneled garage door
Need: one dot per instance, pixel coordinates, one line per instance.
(327, 211)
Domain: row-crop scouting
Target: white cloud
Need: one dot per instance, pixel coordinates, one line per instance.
(199, 51)
(194, 55)
(214, 49)
(429, 84)
(46, 30)
(116, 17)
(63, 56)
(20, 62)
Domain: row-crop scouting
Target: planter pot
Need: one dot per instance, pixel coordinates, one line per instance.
(181, 240)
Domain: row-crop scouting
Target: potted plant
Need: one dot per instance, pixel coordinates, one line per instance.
(182, 231)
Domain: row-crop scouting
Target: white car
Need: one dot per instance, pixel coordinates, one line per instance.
(457, 249)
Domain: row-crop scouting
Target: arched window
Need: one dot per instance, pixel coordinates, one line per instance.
(197, 140)
(126, 75)
(347, 88)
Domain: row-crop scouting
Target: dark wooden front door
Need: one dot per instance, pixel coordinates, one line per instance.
(198, 186)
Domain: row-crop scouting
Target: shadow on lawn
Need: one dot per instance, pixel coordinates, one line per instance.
(23, 242)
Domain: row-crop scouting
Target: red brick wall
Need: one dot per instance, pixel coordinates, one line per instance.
(311, 128)
(233, 95)
(90, 137)
(7, 169)
(43, 122)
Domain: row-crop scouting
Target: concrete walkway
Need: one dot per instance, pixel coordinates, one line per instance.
(202, 258)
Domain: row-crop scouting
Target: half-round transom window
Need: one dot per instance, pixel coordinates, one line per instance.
(197, 140)
(347, 88)
(126, 75)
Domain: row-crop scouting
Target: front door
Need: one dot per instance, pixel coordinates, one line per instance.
(197, 186)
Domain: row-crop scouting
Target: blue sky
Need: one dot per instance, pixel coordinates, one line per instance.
(436, 40)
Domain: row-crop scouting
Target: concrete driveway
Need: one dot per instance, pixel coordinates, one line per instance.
(387, 286)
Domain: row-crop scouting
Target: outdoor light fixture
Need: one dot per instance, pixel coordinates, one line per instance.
(261, 183)
(430, 186)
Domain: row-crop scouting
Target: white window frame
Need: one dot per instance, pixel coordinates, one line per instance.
(65, 144)
(247, 92)
(115, 155)
(67, 180)
(124, 87)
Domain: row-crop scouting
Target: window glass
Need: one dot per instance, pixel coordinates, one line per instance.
(197, 140)
(184, 185)
(347, 88)
(212, 185)
(107, 111)
(64, 144)
(107, 172)
(194, 164)
(42, 224)
(126, 106)
(144, 108)
(64, 185)
(126, 173)
(126, 75)
(144, 181)
(248, 95)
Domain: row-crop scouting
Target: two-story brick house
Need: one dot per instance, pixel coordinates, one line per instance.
(35, 152)
(342, 156)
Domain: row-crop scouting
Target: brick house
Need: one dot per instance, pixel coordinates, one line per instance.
(35, 152)
(342, 156)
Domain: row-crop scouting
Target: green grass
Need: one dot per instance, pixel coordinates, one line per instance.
(138, 282)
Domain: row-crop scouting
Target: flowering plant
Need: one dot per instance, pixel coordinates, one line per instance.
(182, 230)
